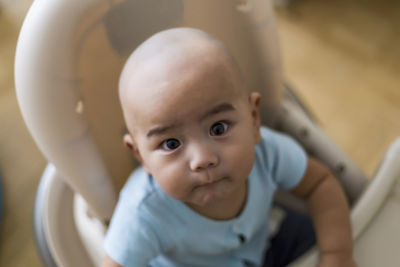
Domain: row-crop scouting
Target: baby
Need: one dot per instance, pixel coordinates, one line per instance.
(209, 170)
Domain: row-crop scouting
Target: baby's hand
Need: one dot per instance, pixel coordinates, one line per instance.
(337, 260)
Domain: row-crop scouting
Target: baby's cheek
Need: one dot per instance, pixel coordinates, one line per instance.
(240, 153)
(241, 159)
(172, 180)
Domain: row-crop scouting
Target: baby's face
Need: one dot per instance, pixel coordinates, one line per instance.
(196, 135)
(192, 124)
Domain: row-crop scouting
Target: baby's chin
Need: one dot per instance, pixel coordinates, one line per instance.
(210, 194)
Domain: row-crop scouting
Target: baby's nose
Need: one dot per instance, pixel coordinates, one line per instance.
(203, 158)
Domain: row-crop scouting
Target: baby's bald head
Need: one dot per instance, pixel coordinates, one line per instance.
(172, 57)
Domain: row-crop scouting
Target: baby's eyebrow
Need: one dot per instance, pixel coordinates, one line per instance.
(218, 109)
(159, 130)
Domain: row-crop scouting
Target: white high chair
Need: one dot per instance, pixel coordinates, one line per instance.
(67, 65)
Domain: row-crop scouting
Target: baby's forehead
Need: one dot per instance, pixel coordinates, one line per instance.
(177, 77)
(178, 62)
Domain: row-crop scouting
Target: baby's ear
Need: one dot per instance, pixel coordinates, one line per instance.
(131, 145)
(128, 141)
(254, 101)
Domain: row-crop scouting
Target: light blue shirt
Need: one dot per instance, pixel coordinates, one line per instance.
(149, 228)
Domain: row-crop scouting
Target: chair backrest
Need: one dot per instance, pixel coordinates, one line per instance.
(68, 60)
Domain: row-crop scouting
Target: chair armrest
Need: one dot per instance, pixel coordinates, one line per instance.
(374, 196)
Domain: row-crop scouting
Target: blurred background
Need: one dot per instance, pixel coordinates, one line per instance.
(342, 57)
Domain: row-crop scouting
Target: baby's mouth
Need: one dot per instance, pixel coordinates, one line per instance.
(209, 183)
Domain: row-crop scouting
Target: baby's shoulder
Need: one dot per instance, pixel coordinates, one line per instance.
(269, 135)
(268, 143)
(273, 141)
(137, 190)
(142, 199)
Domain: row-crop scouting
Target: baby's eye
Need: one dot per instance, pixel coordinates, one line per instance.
(218, 128)
(171, 144)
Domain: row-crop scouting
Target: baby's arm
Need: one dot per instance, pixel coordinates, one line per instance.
(109, 262)
(329, 211)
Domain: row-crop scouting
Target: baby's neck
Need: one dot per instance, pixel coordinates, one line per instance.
(226, 209)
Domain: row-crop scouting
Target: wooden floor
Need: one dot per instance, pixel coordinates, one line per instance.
(342, 57)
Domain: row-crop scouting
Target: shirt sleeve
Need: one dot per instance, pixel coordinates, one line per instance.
(130, 241)
(286, 160)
